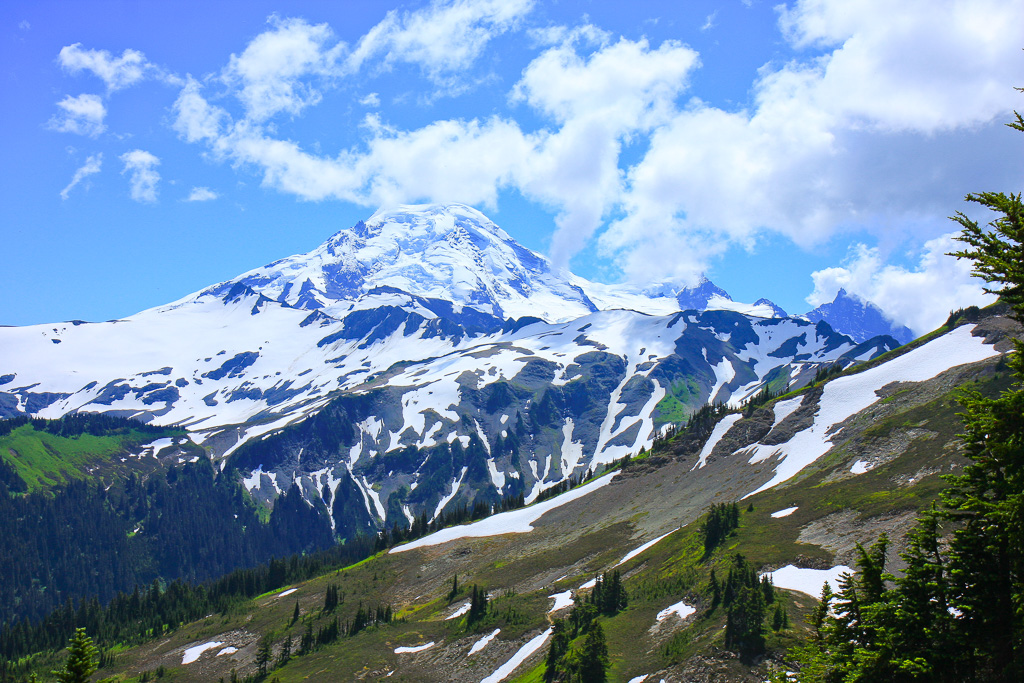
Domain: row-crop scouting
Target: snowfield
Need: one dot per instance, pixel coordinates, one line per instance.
(809, 581)
(512, 522)
(506, 669)
(847, 396)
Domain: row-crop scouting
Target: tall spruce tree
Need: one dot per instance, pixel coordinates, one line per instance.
(81, 663)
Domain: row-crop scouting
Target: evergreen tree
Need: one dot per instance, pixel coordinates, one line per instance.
(593, 659)
(295, 614)
(556, 650)
(263, 656)
(81, 663)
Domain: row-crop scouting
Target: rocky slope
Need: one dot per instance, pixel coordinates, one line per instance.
(416, 361)
(820, 471)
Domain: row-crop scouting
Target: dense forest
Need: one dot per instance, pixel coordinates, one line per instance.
(86, 540)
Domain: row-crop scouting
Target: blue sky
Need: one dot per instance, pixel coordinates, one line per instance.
(152, 149)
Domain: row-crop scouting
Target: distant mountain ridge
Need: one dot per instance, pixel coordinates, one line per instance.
(418, 360)
(858, 318)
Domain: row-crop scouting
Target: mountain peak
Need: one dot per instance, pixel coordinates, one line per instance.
(858, 318)
(450, 252)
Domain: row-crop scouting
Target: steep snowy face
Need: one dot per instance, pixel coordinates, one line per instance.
(859, 319)
(449, 252)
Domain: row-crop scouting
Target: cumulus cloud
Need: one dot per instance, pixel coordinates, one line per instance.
(201, 194)
(272, 73)
(919, 297)
(600, 99)
(143, 178)
(816, 153)
(443, 38)
(117, 72)
(82, 115)
(90, 167)
(874, 125)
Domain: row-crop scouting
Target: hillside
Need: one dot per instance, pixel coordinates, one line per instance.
(884, 435)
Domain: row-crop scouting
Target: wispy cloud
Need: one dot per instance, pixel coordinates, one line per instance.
(201, 194)
(90, 167)
(709, 23)
(117, 72)
(82, 115)
(371, 100)
(141, 165)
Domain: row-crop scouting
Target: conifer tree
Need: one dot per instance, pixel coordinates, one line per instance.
(81, 663)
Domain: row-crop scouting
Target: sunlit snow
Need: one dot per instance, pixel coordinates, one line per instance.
(512, 522)
(809, 581)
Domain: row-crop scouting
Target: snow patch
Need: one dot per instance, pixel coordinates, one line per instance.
(785, 512)
(483, 642)
(512, 522)
(458, 613)
(636, 551)
(808, 581)
(860, 467)
(716, 435)
(680, 608)
(506, 669)
(194, 652)
(562, 600)
(846, 396)
(416, 648)
(287, 592)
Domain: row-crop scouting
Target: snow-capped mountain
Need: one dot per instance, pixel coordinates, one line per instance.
(418, 360)
(858, 318)
(448, 252)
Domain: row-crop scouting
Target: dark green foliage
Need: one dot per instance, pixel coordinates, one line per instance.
(744, 599)
(332, 599)
(593, 659)
(723, 519)
(295, 614)
(578, 651)
(477, 605)
(263, 656)
(454, 592)
(81, 663)
(780, 618)
(82, 540)
(134, 617)
(609, 595)
(956, 614)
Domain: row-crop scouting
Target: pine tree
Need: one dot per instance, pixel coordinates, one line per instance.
(263, 655)
(81, 663)
(556, 650)
(295, 614)
(593, 660)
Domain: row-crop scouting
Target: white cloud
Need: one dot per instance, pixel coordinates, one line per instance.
(90, 167)
(82, 115)
(709, 23)
(601, 99)
(116, 72)
(271, 73)
(144, 177)
(201, 194)
(869, 135)
(919, 298)
(443, 38)
(194, 118)
(24, 25)
(371, 100)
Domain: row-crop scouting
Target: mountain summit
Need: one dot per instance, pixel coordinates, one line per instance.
(450, 252)
(858, 318)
